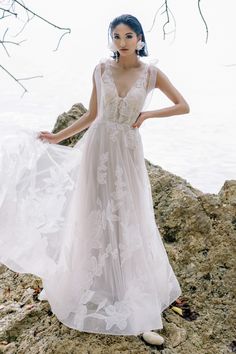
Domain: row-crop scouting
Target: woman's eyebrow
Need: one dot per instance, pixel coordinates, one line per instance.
(125, 33)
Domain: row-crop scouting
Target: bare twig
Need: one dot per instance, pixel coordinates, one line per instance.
(18, 80)
(28, 78)
(45, 20)
(3, 42)
(30, 14)
(8, 11)
(155, 17)
(199, 8)
(166, 11)
(28, 18)
(168, 18)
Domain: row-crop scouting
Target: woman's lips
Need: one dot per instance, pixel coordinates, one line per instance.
(123, 49)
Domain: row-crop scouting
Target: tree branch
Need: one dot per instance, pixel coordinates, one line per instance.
(8, 11)
(168, 12)
(18, 80)
(30, 14)
(43, 19)
(199, 8)
(3, 42)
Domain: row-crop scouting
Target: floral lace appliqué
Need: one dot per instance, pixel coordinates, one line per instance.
(102, 168)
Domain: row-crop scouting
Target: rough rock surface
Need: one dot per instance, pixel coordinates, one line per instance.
(67, 118)
(199, 234)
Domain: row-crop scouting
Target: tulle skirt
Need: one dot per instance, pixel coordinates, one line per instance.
(82, 219)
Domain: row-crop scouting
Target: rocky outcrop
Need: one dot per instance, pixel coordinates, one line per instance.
(67, 118)
(199, 234)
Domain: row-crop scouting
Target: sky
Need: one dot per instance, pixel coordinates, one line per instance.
(203, 72)
(183, 58)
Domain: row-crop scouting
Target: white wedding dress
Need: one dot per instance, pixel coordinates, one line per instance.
(82, 218)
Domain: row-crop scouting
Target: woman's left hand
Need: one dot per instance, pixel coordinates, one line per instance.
(139, 120)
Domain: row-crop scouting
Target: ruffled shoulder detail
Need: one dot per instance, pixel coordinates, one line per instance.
(151, 81)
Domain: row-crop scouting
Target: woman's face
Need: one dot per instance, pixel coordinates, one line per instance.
(125, 39)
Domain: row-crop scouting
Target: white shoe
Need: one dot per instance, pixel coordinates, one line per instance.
(153, 338)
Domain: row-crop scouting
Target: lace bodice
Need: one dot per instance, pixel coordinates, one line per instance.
(113, 107)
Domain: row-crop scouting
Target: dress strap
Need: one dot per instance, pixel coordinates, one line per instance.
(97, 78)
(152, 74)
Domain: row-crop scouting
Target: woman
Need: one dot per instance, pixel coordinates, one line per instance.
(84, 220)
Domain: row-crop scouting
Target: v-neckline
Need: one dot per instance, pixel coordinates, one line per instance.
(114, 84)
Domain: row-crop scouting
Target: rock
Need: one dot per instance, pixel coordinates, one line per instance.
(227, 193)
(66, 119)
(177, 335)
(27, 295)
(198, 231)
(167, 351)
(153, 338)
(10, 348)
(2, 268)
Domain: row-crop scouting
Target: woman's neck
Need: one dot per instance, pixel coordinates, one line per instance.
(131, 61)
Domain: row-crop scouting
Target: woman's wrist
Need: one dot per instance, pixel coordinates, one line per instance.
(146, 114)
(59, 136)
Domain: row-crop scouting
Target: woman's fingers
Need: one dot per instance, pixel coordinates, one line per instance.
(45, 135)
(138, 121)
(44, 132)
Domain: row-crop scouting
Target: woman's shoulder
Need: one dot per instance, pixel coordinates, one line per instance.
(153, 68)
(103, 61)
(152, 64)
(100, 66)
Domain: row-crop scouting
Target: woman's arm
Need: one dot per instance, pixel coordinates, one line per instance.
(85, 120)
(180, 104)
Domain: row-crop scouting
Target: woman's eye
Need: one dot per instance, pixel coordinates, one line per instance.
(128, 36)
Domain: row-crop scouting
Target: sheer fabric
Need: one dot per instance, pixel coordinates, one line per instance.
(82, 218)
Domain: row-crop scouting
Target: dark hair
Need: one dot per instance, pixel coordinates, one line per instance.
(134, 24)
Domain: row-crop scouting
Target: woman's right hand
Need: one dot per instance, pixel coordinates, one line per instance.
(49, 137)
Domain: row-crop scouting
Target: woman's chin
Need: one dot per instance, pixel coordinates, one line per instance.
(124, 52)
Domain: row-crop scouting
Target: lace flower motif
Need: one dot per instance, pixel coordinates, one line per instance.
(102, 168)
(80, 315)
(117, 314)
(131, 139)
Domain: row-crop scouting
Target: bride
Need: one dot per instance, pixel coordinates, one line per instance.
(82, 218)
